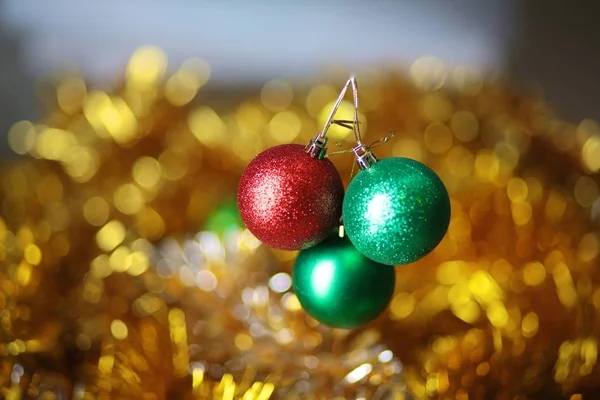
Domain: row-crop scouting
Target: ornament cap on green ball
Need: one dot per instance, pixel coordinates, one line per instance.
(396, 211)
(340, 287)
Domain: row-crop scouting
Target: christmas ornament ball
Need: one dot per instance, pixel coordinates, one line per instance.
(340, 287)
(288, 199)
(396, 211)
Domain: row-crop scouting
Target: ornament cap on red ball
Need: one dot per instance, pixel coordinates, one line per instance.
(289, 199)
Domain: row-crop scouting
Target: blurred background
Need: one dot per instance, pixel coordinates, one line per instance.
(126, 271)
(537, 44)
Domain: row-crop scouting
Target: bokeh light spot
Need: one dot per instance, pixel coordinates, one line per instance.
(280, 282)
(119, 329)
(428, 73)
(146, 66)
(436, 107)
(96, 211)
(128, 199)
(285, 126)
(437, 138)
(402, 305)
(276, 95)
(207, 126)
(22, 137)
(408, 148)
(110, 235)
(318, 98)
(465, 126)
(32, 254)
(534, 273)
(146, 172)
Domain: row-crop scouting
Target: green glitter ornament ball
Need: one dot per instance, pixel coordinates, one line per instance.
(339, 287)
(397, 211)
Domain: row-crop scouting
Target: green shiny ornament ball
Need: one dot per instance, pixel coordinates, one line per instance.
(396, 211)
(339, 287)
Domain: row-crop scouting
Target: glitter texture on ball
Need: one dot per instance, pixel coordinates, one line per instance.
(397, 211)
(288, 199)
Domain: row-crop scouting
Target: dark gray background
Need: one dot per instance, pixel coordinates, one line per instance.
(547, 45)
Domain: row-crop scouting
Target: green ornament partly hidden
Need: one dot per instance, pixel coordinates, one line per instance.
(339, 287)
(224, 219)
(396, 211)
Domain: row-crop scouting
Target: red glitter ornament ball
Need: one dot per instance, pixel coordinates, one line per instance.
(288, 199)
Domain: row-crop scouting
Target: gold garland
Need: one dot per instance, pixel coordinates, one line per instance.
(113, 285)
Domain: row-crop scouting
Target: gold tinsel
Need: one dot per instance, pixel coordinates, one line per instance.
(126, 273)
